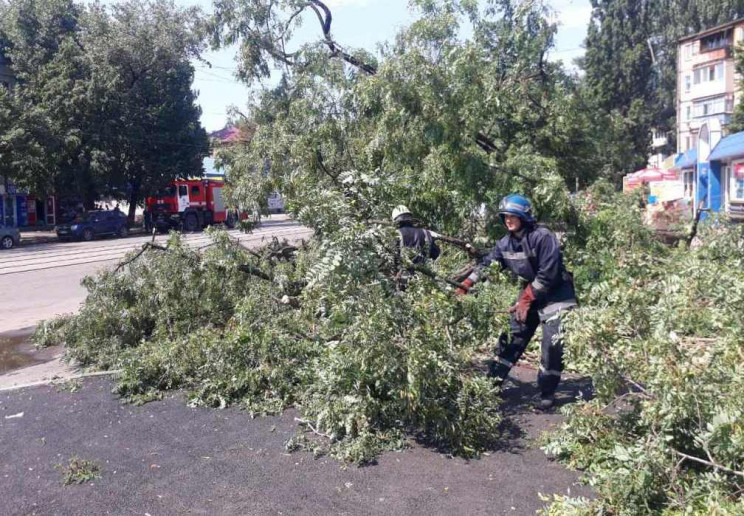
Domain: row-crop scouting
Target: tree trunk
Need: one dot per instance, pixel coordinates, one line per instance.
(134, 198)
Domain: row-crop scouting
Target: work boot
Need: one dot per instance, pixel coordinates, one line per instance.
(546, 401)
(497, 380)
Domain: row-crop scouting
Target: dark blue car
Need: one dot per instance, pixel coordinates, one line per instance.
(89, 225)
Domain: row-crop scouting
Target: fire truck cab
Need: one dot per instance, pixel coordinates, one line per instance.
(190, 204)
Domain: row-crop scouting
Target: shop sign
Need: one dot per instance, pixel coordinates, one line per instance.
(739, 170)
(664, 191)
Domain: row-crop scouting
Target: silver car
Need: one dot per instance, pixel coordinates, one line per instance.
(9, 237)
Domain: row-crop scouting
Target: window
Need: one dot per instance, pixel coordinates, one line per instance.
(708, 73)
(714, 106)
(736, 182)
(687, 143)
(687, 176)
(182, 191)
(195, 190)
(688, 112)
(688, 82)
(687, 50)
(716, 41)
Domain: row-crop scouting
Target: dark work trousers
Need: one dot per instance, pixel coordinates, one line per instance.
(513, 344)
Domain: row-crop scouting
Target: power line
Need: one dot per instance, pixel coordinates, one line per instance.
(216, 66)
(231, 79)
(565, 50)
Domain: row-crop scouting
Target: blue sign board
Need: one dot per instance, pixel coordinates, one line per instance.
(709, 194)
(21, 210)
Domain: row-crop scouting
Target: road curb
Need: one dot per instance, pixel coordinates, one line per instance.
(54, 381)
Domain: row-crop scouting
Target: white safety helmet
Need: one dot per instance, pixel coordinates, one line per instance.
(399, 211)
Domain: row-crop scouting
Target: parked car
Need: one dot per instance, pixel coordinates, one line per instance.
(94, 223)
(9, 237)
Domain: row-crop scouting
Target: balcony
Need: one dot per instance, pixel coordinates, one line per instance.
(696, 123)
(711, 55)
(715, 106)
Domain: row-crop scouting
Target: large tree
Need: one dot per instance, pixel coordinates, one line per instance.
(620, 77)
(152, 133)
(441, 122)
(113, 89)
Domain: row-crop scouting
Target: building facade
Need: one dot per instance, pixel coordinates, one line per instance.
(707, 82)
(659, 142)
(708, 88)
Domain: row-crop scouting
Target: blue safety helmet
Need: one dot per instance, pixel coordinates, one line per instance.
(517, 205)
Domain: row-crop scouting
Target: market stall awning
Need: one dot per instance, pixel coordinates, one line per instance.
(729, 147)
(647, 174)
(686, 160)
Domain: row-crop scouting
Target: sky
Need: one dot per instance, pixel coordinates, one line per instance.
(359, 24)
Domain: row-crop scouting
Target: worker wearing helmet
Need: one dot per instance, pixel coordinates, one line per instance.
(418, 244)
(421, 241)
(531, 253)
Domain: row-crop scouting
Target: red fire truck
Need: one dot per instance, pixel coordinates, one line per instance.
(189, 204)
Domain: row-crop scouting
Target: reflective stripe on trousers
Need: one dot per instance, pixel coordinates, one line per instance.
(513, 344)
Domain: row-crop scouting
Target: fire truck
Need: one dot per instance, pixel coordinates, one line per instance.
(190, 204)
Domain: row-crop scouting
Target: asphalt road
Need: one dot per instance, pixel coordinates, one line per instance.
(40, 281)
(166, 458)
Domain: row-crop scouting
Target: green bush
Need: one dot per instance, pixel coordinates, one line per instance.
(661, 332)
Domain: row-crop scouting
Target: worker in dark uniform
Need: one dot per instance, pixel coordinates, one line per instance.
(416, 243)
(531, 253)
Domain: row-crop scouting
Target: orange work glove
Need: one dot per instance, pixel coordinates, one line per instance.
(466, 286)
(525, 300)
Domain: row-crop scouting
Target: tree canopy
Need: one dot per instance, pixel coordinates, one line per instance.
(108, 95)
(444, 123)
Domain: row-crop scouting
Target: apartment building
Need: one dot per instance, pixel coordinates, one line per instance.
(707, 83)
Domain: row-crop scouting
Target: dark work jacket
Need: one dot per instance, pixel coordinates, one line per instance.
(536, 259)
(420, 240)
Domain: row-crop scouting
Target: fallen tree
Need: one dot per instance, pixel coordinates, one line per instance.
(369, 366)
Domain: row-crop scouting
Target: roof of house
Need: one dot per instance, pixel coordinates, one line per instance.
(231, 134)
(712, 30)
(731, 146)
(686, 160)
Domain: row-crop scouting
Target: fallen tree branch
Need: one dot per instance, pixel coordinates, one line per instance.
(695, 223)
(311, 427)
(431, 274)
(254, 271)
(145, 247)
(709, 463)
